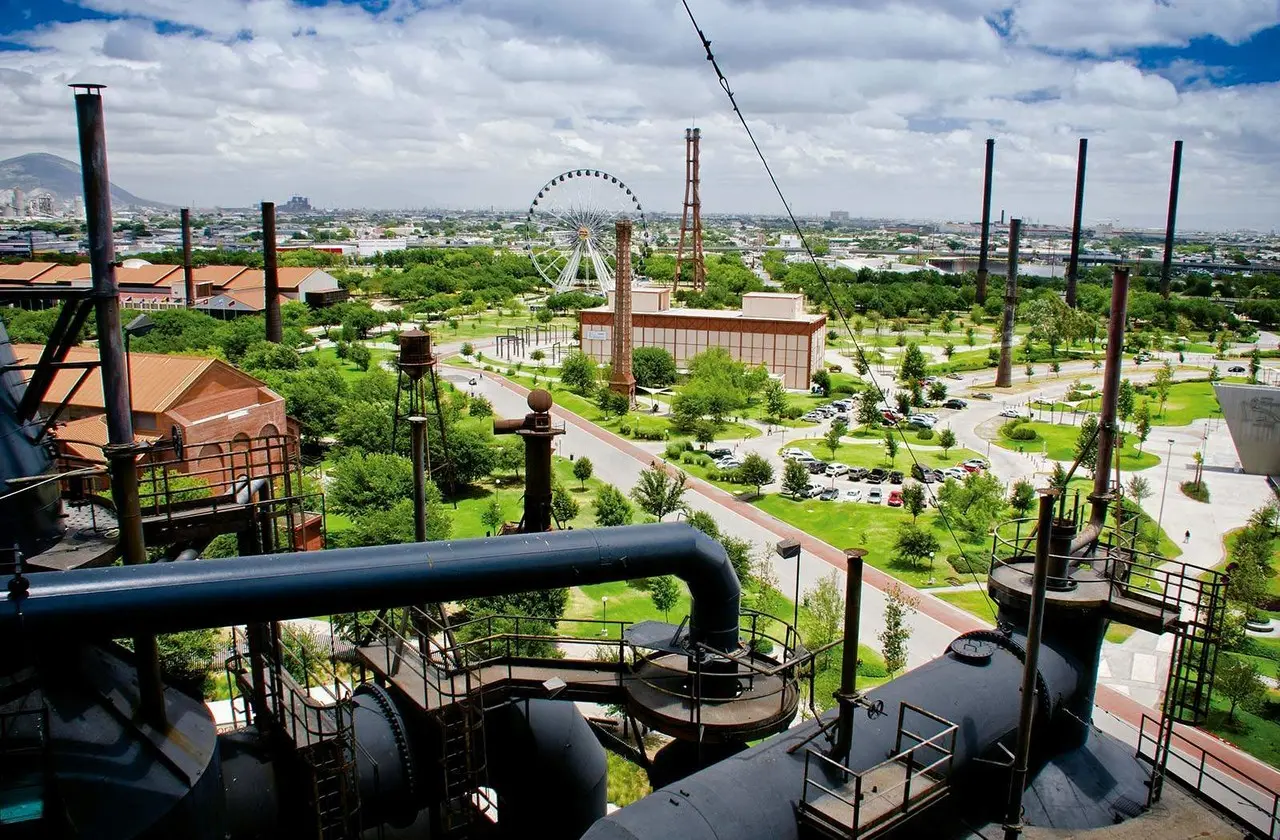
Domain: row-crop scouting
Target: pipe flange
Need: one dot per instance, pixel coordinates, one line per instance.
(1001, 640)
(391, 714)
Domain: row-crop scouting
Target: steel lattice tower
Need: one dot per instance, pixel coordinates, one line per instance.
(691, 222)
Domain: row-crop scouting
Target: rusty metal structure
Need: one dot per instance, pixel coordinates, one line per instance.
(270, 274)
(1077, 219)
(1175, 176)
(980, 295)
(188, 273)
(689, 251)
(621, 380)
(1004, 373)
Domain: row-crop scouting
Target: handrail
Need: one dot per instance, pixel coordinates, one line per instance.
(1199, 761)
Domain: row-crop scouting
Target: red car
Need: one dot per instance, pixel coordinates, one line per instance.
(895, 499)
(969, 468)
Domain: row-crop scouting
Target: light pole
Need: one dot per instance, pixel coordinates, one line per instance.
(604, 622)
(1168, 462)
(787, 550)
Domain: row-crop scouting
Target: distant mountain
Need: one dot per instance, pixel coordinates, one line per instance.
(58, 176)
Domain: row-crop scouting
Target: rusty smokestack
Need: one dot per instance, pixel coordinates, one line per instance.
(538, 434)
(117, 400)
(1073, 265)
(188, 273)
(1004, 374)
(848, 695)
(621, 380)
(1175, 176)
(980, 295)
(271, 286)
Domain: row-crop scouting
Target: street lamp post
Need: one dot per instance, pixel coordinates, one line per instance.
(790, 549)
(1168, 463)
(604, 622)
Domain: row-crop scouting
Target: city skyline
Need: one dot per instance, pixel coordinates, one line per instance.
(880, 110)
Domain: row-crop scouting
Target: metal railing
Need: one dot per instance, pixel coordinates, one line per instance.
(1198, 768)
(850, 793)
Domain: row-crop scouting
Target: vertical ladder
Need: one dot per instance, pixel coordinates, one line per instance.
(462, 763)
(333, 790)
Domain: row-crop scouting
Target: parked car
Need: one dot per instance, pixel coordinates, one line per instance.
(890, 416)
(843, 405)
(895, 498)
(1010, 412)
(1236, 369)
(812, 417)
(968, 468)
(956, 473)
(921, 474)
(793, 453)
(831, 494)
(955, 402)
(877, 476)
(728, 463)
(917, 421)
(814, 491)
(896, 477)
(857, 473)
(817, 467)
(983, 395)
(874, 495)
(836, 469)
(979, 463)
(854, 495)
(955, 376)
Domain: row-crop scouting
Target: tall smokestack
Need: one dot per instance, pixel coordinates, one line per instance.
(621, 379)
(188, 274)
(271, 289)
(1073, 266)
(1004, 375)
(117, 400)
(1170, 224)
(981, 294)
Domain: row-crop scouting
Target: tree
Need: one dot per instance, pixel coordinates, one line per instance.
(360, 356)
(1255, 365)
(659, 493)
(363, 482)
(314, 397)
(563, 506)
(948, 350)
(914, 544)
(831, 439)
(1087, 445)
(611, 402)
(1142, 424)
(1239, 681)
(896, 633)
(755, 470)
(903, 401)
(187, 657)
(395, 524)
(1030, 371)
(946, 439)
(823, 380)
(823, 619)
(937, 390)
(493, 517)
(665, 593)
(544, 316)
(1022, 497)
(868, 409)
(775, 399)
(1139, 489)
(1056, 367)
(612, 508)
(1125, 400)
(968, 336)
(1058, 478)
(578, 372)
(795, 479)
(653, 367)
(471, 454)
(367, 426)
(913, 499)
(973, 504)
(704, 432)
(582, 470)
(890, 446)
(914, 365)
(479, 407)
(1163, 382)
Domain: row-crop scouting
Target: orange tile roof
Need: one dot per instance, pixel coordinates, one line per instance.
(218, 275)
(23, 272)
(86, 436)
(158, 380)
(148, 275)
(66, 274)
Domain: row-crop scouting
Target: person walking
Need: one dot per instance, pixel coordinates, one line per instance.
(1186, 538)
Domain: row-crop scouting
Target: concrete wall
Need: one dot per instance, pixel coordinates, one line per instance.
(1252, 413)
(772, 305)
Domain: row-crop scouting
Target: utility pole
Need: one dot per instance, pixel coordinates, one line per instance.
(1073, 265)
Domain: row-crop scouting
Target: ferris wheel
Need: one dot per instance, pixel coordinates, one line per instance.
(570, 229)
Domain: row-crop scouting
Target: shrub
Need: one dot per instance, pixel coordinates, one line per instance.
(650, 434)
(872, 670)
(624, 429)
(924, 434)
(979, 562)
(1018, 430)
(467, 348)
(834, 368)
(715, 475)
(792, 412)
(488, 368)
(1197, 490)
(688, 458)
(674, 450)
(511, 371)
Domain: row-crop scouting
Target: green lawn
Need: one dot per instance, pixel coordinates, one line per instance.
(509, 491)
(962, 360)
(348, 370)
(1253, 731)
(1061, 442)
(873, 455)
(1187, 401)
(874, 527)
(976, 603)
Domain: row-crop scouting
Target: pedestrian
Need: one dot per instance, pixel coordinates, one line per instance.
(1186, 538)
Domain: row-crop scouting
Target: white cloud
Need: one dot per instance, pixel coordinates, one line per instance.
(879, 107)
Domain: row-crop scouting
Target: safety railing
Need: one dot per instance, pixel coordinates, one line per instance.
(1169, 752)
(924, 767)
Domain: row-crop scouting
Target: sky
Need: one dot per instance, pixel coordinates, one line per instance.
(877, 107)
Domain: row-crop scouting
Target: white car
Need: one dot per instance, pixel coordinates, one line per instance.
(977, 462)
(792, 453)
(835, 469)
(955, 472)
(1011, 412)
(728, 463)
(814, 491)
(874, 496)
(854, 495)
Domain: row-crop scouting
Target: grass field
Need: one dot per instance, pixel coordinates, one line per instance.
(348, 370)
(1187, 401)
(1061, 441)
(973, 602)
(873, 455)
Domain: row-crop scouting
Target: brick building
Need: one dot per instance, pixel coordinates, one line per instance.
(771, 329)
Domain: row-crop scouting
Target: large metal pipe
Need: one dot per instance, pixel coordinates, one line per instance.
(271, 276)
(117, 400)
(1073, 265)
(418, 456)
(164, 598)
(188, 273)
(1030, 670)
(1004, 373)
(981, 294)
(1107, 420)
(849, 654)
(1170, 223)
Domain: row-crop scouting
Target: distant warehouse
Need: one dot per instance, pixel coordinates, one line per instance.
(770, 329)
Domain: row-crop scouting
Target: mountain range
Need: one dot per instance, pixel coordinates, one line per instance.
(57, 175)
